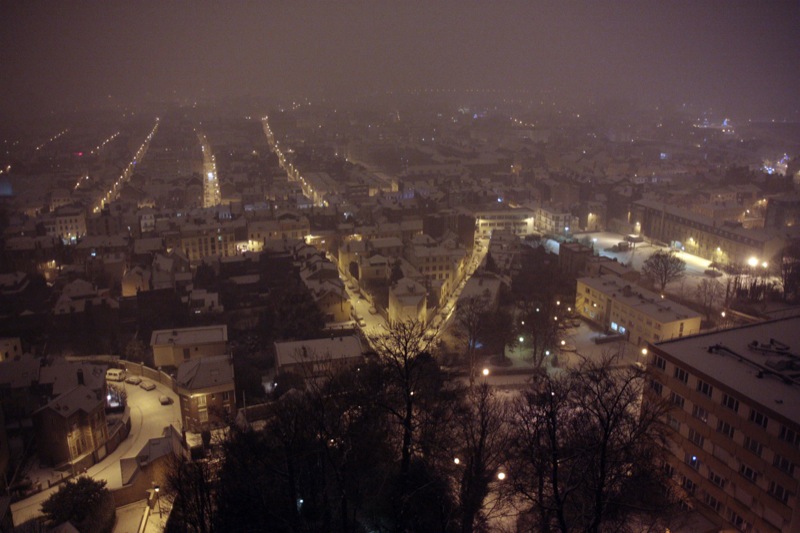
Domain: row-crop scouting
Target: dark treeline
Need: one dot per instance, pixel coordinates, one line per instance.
(393, 446)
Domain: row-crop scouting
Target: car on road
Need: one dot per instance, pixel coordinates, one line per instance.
(147, 385)
(133, 380)
(361, 322)
(165, 400)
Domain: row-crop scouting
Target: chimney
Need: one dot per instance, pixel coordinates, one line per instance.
(80, 377)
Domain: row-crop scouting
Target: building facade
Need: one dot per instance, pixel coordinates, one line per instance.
(172, 347)
(734, 438)
(207, 393)
(643, 316)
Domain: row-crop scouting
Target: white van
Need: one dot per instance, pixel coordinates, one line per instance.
(115, 374)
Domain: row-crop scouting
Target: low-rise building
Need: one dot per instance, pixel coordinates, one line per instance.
(316, 358)
(172, 347)
(407, 301)
(641, 315)
(207, 393)
(734, 440)
(71, 426)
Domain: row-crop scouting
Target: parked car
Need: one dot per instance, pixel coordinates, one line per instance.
(165, 400)
(133, 380)
(373, 311)
(115, 374)
(147, 385)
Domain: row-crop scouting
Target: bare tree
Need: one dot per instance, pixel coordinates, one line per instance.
(400, 348)
(538, 328)
(190, 486)
(709, 291)
(586, 447)
(482, 435)
(471, 322)
(662, 267)
(789, 262)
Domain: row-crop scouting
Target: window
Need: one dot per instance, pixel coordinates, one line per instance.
(673, 423)
(782, 463)
(681, 375)
(704, 388)
(712, 502)
(731, 403)
(676, 399)
(186, 353)
(226, 395)
(201, 401)
(203, 415)
(753, 445)
(696, 437)
(700, 413)
(725, 428)
(758, 418)
(735, 519)
(656, 386)
(748, 472)
(778, 491)
(689, 485)
(716, 479)
(789, 436)
(659, 362)
(692, 461)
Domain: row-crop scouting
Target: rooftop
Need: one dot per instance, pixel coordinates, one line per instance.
(647, 302)
(757, 361)
(205, 372)
(189, 336)
(298, 352)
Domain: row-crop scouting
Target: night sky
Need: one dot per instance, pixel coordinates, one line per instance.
(741, 58)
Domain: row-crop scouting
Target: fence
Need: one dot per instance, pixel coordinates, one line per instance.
(139, 369)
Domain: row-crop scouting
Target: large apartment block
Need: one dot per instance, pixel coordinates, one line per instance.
(705, 237)
(642, 315)
(734, 442)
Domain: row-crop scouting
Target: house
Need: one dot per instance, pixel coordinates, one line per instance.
(71, 426)
(317, 357)
(172, 347)
(207, 393)
(407, 301)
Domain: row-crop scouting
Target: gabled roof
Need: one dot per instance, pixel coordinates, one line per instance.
(63, 375)
(80, 398)
(205, 372)
(20, 372)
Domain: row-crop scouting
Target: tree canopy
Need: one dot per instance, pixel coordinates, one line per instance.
(663, 267)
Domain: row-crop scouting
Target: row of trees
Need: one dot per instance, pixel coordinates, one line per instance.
(394, 446)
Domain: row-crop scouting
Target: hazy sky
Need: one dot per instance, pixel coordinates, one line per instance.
(740, 57)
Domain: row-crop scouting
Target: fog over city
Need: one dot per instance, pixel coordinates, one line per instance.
(399, 266)
(738, 57)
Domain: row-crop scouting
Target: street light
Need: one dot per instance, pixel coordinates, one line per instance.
(158, 499)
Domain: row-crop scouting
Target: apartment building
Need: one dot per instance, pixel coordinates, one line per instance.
(519, 221)
(199, 242)
(642, 315)
(721, 242)
(734, 438)
(552, 221)
(172, 347)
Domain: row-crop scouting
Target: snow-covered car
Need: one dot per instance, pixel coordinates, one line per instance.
(133, 380)
(147, 385)
(165, 400)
